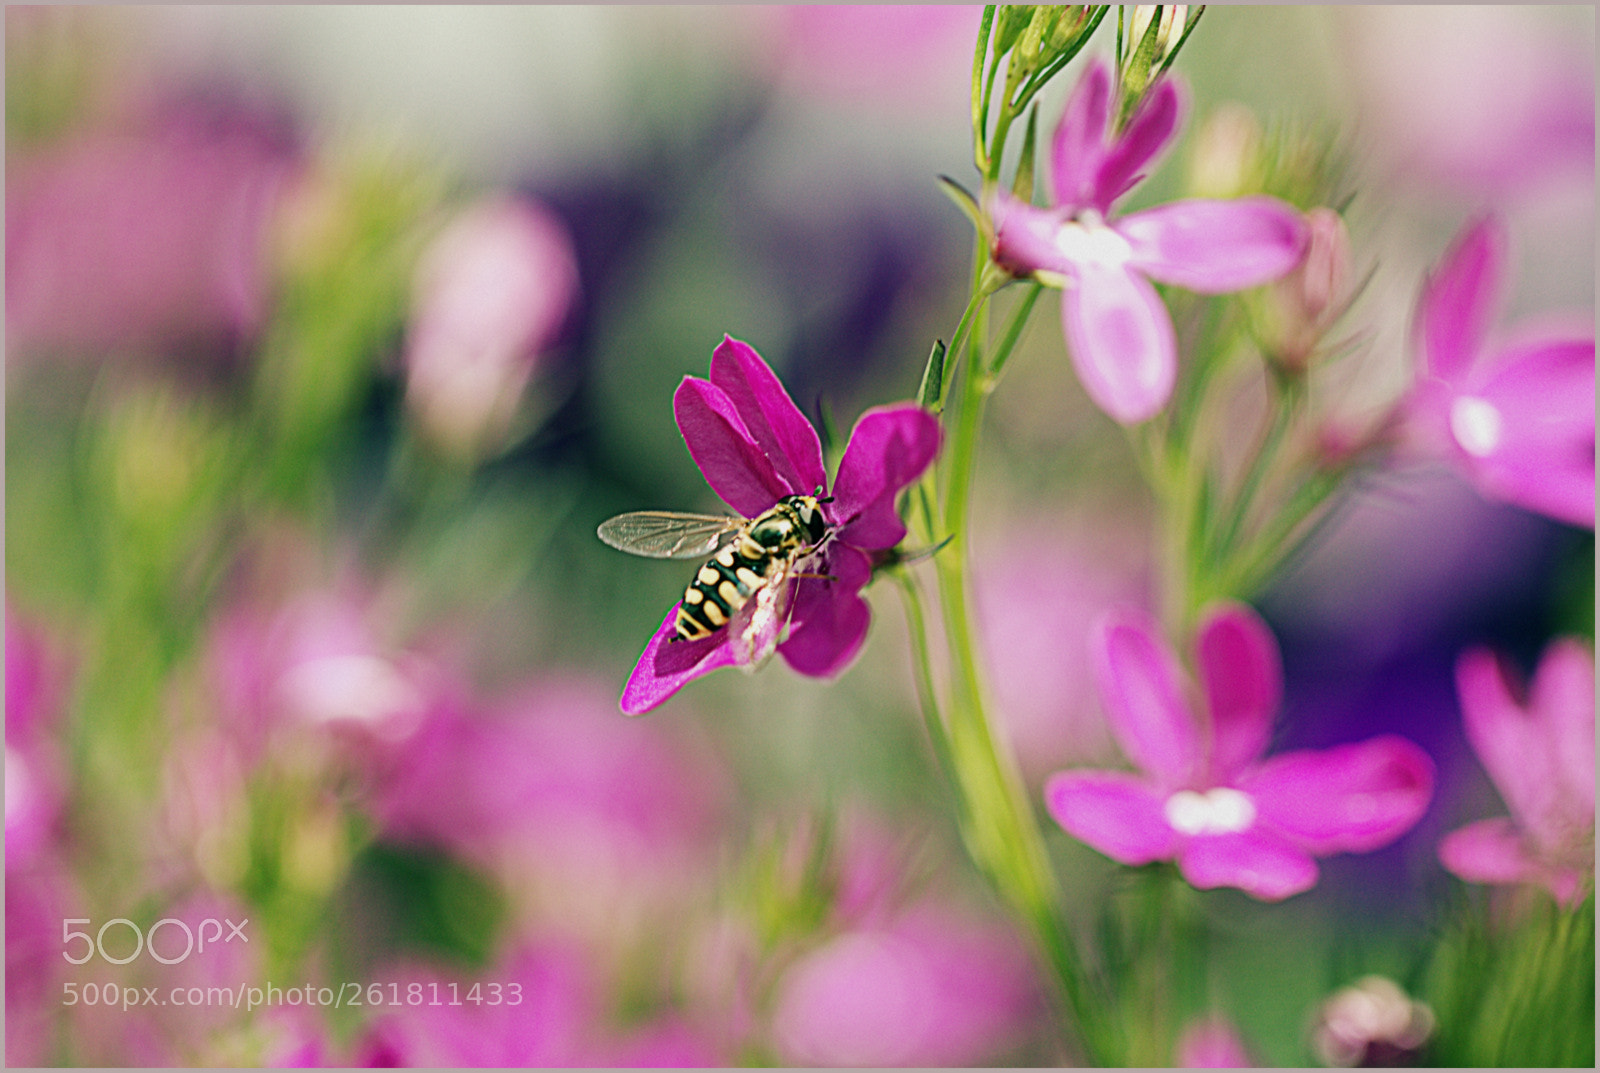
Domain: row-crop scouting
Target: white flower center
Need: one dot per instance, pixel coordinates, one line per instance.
(1476, 425)
(1219, 811)
(1087, 240)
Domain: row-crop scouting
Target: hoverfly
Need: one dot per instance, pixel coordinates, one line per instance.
(758, 563)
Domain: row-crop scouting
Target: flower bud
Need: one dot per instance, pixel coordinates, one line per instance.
(1372, 1023)
(490, 295)
(1226, 160)
(1155, 33)
(1170, 20)
(1304, 304)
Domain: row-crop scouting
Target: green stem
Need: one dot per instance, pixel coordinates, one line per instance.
(998, 825)
(927, 694)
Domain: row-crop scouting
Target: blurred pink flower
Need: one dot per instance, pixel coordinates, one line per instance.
(1211, 1043)
(36, 901)
(34, 778)
(1540, 753)
(316, 663)
(134, 241)
(1118, 329)
(489, 296)
(909, 57)
(1204, 796)
(928, 987)
(546, 999)
(1037, 597)
(553, 782)
(1517, 419)
(1437, 121)
(541, 1006)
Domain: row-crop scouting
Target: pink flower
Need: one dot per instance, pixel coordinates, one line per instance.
(1518, 418)
(553, 777)
(1118, 329)
(128, 241)
(546, 1000)
(542, 1006)
(1211, 1043)
(1540, 754)
(317, 664)
(755, 447)
(1204, 795)
(491, 293)
(35, 775)
(908, 58)
(928, 987)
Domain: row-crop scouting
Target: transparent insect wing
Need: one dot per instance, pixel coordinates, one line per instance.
(665, 534)
(767, 615)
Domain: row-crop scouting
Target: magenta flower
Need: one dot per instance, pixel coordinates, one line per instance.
(1118, 329)
(1518, 419)
(1540, 754)
(755, 447)
(1204, 796)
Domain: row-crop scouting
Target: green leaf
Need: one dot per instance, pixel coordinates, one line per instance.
(1022, 186)
(929, 394)
(962, 200)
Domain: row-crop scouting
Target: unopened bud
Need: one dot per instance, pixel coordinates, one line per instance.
(1372, 1023)
(1306, 302)
(1170, 19)
(489, 296)
(1069, 25)
(1226, 161)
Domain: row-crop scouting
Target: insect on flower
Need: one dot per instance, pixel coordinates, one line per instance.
(753, 570)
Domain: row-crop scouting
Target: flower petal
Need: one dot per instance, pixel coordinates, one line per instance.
(889, 448)
(1489, 851)
(1025, 237)
(770, 415)
(1117, 813)
(829, 618)
(1351, 798)
(1563, 695)
(1214, 247)
(1243, 682)
(734, 465)
(1121, 340)
(1509, 744)
(667, 665)
(1531, 754)
(1254, 861)
(1078, 149)
(1141, 687)
(1460, 298)
(1148, 132)
(1528, 430)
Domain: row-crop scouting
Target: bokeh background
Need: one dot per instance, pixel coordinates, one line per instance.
(332, 333)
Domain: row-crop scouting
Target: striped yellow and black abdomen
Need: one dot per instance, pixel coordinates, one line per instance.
(723, 586)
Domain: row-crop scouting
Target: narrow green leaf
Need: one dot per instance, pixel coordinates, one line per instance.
(979, 120)
(962, 200)
(928, 396)
(1022, 186)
